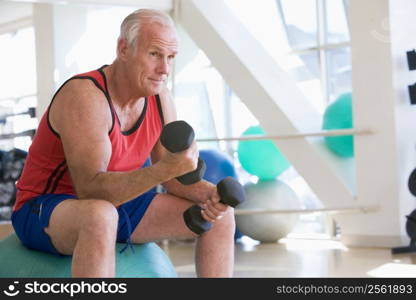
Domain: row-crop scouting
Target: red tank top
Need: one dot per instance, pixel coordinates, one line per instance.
(46, 171)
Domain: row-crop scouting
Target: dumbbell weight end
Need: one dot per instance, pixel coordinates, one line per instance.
(231, 193)
(194, 220)
(194, 176)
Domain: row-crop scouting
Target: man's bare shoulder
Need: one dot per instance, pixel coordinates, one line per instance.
(79, 100)
(168, 106)
(80, 93)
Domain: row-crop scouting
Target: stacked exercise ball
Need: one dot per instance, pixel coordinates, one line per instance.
(261, 157)
(338, 115)
(272, 195)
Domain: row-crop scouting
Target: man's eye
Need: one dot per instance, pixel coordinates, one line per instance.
(153, 53)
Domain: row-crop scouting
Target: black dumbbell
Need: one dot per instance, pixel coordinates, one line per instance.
(231, 193)
(411, 232)
(178, 136)
(412, 182)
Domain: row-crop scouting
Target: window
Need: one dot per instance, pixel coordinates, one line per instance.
(97, 44)
(309, 39)
(318, 33)
(18, 92)
(199, 94)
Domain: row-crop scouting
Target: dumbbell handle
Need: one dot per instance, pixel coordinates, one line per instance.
(231, 193)
(178, 136)
(194, 176)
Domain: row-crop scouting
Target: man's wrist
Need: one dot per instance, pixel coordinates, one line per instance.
(160, 172)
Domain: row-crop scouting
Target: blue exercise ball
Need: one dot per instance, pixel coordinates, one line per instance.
(219, 165)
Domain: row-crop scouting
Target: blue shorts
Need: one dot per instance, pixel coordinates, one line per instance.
(31, 219)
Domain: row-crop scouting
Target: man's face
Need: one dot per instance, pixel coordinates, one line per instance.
(151, 61)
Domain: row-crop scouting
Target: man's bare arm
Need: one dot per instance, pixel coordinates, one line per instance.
(198, 192)
(81, 116)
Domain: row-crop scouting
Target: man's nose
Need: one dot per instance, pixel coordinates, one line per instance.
(163, 66)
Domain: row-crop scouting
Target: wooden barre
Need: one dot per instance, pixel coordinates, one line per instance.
(260, 211)
(338, 132)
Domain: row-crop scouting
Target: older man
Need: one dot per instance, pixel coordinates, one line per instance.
(84, 185)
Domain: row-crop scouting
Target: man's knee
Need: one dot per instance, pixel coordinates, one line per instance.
(99, 216)
(226, 225)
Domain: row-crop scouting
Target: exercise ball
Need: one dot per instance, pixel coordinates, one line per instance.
(219, 165)
(338, 115)
(147, 260)
(271, 194)
(261, 158)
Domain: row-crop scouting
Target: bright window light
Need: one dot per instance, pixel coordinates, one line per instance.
(97, 46)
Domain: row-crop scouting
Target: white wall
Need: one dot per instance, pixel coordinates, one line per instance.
(403, 27)
(381, 33)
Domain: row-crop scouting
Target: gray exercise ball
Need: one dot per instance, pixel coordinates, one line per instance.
(271, 194)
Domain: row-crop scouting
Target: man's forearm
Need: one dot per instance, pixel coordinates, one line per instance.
(121, 187)
(198, 192)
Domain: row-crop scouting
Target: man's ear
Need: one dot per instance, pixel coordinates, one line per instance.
(122, 48)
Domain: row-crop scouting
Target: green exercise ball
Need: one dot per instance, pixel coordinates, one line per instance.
(261, 158)
(338, 115)
(147, 260)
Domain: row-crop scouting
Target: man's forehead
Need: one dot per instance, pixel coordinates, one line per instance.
(155, 28)
(159, 36)
(171, 48)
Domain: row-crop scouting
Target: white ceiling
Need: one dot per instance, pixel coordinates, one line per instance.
(12, 11)
(165, 5)
(18, 13)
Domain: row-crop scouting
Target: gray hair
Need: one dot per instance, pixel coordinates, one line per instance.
(130, 27)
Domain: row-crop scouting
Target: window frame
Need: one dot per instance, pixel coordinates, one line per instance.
(322, 45)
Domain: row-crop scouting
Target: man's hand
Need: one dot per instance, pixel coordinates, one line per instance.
(212, 209)
(180, 163)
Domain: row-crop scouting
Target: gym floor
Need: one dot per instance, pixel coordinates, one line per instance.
(303, 253)
(306, 252)
(302, 257)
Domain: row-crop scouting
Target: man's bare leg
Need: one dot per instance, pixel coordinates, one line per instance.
(86, 229)
(214, 250)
